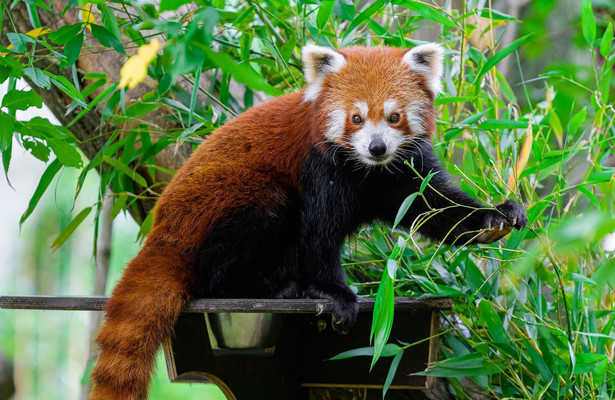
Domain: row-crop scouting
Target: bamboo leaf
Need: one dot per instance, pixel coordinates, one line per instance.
(499, 56)
(493, 321)
(391, 373)
(107, 38)
(473, 364)
(43, 184)
(70, 228)
(403, 209)
(364, 15)
(389, 350)
(324, 11)
(65, 33)
(125, 169)
(426, 11)
(607, 41)
(38, 77)
(109, 20)
(21, 99)
(588, 24)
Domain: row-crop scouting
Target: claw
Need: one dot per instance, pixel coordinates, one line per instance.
(501, 226)
(514, 221)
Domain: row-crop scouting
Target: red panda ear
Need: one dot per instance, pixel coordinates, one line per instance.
(426, 59)
(318, 62)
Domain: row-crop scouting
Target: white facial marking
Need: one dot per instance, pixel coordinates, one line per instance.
(336, 125)
(415, 120)
(391, 137)
(362, 106)
(426, 59)
(389, 106)
(312, 91)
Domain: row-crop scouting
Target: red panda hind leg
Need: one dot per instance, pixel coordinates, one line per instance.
(140, 314)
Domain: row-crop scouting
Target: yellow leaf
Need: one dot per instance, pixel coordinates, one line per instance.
(38, 32)
(524, 156)
(34, 33)
(134, 70)
(87, 16)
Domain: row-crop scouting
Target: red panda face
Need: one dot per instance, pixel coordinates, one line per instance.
(374, 102)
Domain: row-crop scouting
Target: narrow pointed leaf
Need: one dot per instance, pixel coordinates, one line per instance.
(70, 228)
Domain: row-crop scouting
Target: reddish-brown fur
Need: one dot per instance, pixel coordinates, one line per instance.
(240, 165)
(214, 182)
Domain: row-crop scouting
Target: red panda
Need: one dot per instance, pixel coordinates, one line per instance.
(262, 207)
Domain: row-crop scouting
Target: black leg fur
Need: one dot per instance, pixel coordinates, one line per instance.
(253, 253)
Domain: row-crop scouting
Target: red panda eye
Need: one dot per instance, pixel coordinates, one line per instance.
(394, 118)
(357, 119)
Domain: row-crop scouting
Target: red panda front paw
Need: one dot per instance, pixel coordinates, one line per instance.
(345, 305)
(499, 225)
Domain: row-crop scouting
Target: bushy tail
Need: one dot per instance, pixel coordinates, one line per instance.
(140, 314)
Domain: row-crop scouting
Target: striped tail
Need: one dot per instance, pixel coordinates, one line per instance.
(140, 314)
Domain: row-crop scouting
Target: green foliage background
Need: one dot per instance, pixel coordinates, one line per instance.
(533, 314)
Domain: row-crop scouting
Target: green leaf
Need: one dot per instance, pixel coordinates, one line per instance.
(324, 11)
(125, 169)
(43, 184)
(389, 350)
(73, 49)
(67, 87)
(364, 15)
(587, 22)
(537, 360)
(344, 9)
(587, 362)
(473, 364)
(494, 324)
(19, 40)
(140, 108)
(427, 12)
(243, 73)
(21, 99)
(496, 15)
(66, 153)
(170, 5)
(607, 41)
(37, 148)
(118, 205)
(391, 373)
(503, 124)
(426, 181)
(38, 77)
(107, 39)
(65, 33)
(577, 120)
(499, 56)
(403, 209)
(605, 275)
(70, 228)
(384, 310)
(146, 225)
(9, 67)
(287, 49)
(7, 127)
(109, 20)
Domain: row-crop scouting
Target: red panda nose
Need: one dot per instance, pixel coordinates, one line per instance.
(377, 147)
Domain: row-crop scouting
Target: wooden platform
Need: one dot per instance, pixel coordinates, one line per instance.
(281, 306)
(297, 366)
